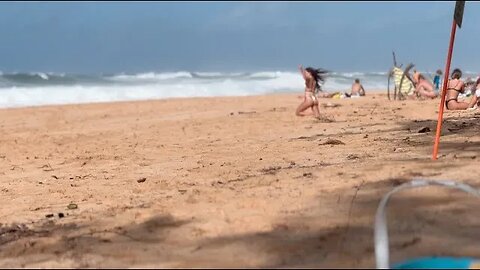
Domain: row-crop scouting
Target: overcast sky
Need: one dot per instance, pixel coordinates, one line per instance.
(110, 37)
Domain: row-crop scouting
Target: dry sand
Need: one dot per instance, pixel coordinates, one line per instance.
(231, 182)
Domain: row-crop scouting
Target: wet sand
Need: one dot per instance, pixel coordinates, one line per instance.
(231, 182)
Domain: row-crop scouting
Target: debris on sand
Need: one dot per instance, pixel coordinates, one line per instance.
(424, 130)
(399, 150)
(352, 156)
(310, 138)
(271, 169)
(332, 142)
(141, 180)
(309, 174)
(465, 155)
(453, 129)
(280, 109)
(47, 168)
(72, 206)
(331, 105)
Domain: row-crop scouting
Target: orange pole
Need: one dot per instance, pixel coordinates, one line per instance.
(444, 87)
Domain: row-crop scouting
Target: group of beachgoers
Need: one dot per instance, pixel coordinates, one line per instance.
(456, 88)
(422, 89)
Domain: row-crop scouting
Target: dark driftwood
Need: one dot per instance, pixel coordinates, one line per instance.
(390, 74)
(388, 84)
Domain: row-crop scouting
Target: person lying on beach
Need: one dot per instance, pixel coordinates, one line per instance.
(312, 79)
(357, 89)
(423, 87)
(323, 94)
(455, 86)
(474, 102)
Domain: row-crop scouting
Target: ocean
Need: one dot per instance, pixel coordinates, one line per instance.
(37, 88)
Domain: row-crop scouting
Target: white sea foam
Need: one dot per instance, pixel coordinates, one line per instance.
(153, 85)
(41, 75)
(213, 74)
(151, 76)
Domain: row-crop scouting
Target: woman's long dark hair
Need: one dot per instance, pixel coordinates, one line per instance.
(456, 73)
(319, 75)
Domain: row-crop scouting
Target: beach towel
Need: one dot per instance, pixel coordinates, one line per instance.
(407, 85)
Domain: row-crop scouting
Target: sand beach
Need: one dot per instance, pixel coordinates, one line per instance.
(231, 182)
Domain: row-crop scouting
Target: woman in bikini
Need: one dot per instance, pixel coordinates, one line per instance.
(454, 87)
(312, 78)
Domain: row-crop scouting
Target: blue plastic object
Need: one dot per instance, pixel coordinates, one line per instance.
(439, 263)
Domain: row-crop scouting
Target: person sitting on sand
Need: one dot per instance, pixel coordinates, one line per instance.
(474, 102)
(312, 79)
(357, 89)
(470, 86)
(423, 87)
(454, 87)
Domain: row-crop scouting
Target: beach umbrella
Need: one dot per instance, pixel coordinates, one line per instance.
(457, 21)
